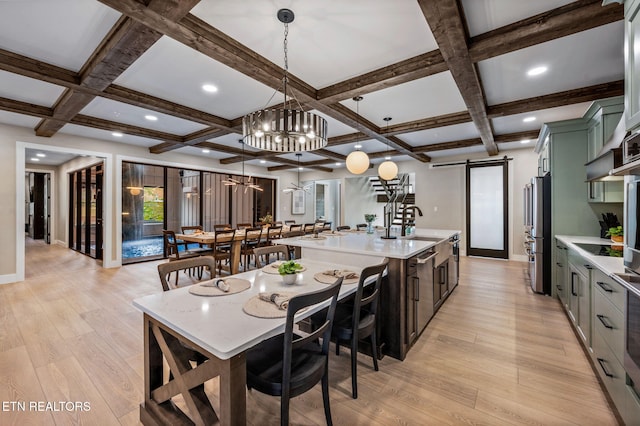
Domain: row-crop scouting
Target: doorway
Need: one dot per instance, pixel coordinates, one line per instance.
(38, 206)
(487, 209)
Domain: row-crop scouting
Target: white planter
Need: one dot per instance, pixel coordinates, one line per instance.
(289, 279)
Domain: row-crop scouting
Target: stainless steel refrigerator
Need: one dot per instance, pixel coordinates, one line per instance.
(537, 221)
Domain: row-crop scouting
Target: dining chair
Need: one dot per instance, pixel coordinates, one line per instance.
(273, 233)
(289, 222)
(343, 228)
(221, 227)
(288, 365)
(173, 253)
(244, 225)
(326, 226)
(192, 229)
(262, 255)
(222, 247)
(309, 228)
(252, 238)
(356, 319)
(361, 227)
(295, 228)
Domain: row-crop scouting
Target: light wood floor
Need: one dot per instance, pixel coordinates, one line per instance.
(495, 354)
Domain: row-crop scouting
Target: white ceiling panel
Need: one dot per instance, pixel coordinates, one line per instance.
(442, 134)
(47, 158)
(14, 119)
(514, 123)
(305, 157)
(487, 15)
(179, 73)
(396, 28)
(130, 114)
(370, 145)
(60, 32)
(442, 155)
(197, 152)
(569, 61)
(262, 163)
(334, 127)
(516, 145)
(426, 97)
(25, 89)
(89, 132)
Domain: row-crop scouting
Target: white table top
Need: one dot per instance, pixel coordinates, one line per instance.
(218, 324)
(372, 244)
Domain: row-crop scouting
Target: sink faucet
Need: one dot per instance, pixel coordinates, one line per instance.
(414, 209)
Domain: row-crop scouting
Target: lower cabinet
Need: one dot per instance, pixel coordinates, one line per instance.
(561, 268)
(580, 296)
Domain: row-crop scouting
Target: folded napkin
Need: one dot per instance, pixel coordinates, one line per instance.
(347, 275)
(219, 284)
(282, 302)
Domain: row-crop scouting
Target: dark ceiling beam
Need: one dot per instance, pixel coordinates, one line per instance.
(401, 72)
(99, 123)
(209, 41)
(122, 46)
(560, 22)
(295, 166)
(28, 67)
(25, 108)
(446, 23)
(567, 97)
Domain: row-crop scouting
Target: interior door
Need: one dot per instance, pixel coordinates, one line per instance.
(487, 209)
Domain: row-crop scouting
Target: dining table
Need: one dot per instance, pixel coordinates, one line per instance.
(220, 329)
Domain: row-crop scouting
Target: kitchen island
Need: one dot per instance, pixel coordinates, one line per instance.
(422, 272)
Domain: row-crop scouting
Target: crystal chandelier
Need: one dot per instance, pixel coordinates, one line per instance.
(285, 129)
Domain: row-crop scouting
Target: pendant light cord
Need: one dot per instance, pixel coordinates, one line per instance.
(285, 79)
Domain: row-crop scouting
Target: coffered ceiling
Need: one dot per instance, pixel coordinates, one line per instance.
(451, 74)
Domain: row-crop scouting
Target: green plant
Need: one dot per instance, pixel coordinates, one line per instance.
(615, 231)
(289, 267)
(266, 219)
(369, 217)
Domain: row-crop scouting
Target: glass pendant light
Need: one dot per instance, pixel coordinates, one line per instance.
(358, 161)
(387, 170)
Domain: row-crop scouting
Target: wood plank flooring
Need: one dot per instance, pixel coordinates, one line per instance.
(495, 354)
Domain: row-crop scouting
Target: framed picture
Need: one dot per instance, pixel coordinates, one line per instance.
(297, 202)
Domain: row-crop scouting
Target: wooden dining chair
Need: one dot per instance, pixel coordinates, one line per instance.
(262, 255)
(173, 253)
(244, 226)
(222, 243)
(343, 228)
(274, 232)
(356, 319)
(192, 229)
(221, 227)
(252, 238)
(326, 226)
(288, 365)
(295, 228)
(309, 228)
(361, 227)
(166, 269)
(289, 222)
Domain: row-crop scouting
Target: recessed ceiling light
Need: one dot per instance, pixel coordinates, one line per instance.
(263, 161)
(151, 117)
(41, 155)
(116, 134)
(206, 151)
(537, 71)
(35, 159)
(209, 88)
(338, 164)
(357, 146)
(300, 168)
(525, 141)
(529, 119)
(388, 157)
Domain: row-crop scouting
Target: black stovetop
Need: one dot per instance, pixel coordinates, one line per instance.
(601, 249)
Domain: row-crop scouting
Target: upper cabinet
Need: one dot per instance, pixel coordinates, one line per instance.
(632, 63)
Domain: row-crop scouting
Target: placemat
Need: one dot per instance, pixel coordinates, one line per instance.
(207, 288)
(355, 231)
(257, 307)
(272, 268)
(333, 234)
(331, 278)
(313, 238)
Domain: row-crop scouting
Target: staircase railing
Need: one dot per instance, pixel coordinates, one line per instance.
(396, 194)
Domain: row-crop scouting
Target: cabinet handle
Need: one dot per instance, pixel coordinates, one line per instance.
(559, 264)
(416, 289)
(605, 323)
(606, 287)
(604, 369)
(573, 290)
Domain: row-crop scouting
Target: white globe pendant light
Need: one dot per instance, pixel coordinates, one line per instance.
(387, 170)
(357, 162)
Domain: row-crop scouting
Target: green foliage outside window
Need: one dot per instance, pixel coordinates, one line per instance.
(153, 208)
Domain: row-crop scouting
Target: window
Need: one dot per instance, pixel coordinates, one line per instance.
(153, 208)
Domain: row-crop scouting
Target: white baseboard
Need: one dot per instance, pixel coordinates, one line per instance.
(519, 258)
(9, 279)
(60, 243)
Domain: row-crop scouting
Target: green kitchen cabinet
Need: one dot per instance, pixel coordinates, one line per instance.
(561, 268)
(632, 64)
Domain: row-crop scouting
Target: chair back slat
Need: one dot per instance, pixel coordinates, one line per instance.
(165, 269)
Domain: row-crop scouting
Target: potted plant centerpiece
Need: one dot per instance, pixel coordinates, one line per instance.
(616, 233)
(267, 219)
(369, 218)
(289, 271)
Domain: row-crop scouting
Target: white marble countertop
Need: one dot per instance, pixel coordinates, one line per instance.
(373, 244)
(608, 265)
(218, 324)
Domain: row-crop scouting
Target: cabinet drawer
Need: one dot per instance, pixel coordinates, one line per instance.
(609, 322)
(580, 263)
(610, 288)
(631, 412)
(610, 370)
